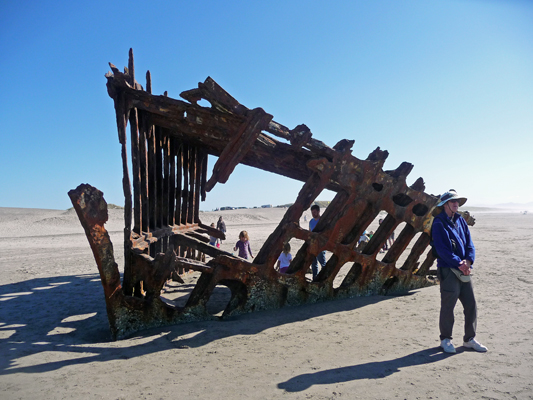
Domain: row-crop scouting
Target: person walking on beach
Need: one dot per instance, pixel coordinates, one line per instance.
(391, 239)
(243, 245)
(221, 226)
(363, 240)
(213, 241)
(455, 256)
(321, 257)
(385, 247)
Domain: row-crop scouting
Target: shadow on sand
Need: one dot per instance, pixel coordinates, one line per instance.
(65, 318)
(372, 370)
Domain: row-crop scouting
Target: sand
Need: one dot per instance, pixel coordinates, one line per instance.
(55, 342)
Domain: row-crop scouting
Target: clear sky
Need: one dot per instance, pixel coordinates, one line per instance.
(445, 85)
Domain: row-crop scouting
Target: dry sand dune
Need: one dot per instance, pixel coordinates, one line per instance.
(54, 338)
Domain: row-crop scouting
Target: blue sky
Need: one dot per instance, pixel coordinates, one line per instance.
(445, 85)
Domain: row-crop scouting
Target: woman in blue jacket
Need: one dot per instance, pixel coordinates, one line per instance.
(455, 256)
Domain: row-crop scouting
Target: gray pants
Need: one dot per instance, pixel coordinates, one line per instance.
(452, 289)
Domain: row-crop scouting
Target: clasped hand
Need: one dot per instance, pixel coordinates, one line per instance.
(464, 267)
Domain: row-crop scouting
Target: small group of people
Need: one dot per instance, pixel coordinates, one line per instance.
(245, 251)
(243, 245)
(221, 226)
(285, 257)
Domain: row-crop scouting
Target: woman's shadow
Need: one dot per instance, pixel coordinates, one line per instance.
(372, 370)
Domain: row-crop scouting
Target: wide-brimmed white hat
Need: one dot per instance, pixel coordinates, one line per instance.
(449, 195)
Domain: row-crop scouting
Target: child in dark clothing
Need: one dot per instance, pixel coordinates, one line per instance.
(243, 245)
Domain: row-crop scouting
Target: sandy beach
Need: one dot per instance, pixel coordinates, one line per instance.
(55, 340)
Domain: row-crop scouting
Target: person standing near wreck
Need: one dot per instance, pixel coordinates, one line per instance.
(213, 241)
(321, 257)
(243, 245)
(455, 256)
(221, 226)
(385, 247)
(284, 259)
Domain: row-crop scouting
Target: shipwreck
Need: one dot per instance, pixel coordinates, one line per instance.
(165, 177)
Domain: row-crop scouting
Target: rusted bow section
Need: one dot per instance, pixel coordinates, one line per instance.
(169, 143)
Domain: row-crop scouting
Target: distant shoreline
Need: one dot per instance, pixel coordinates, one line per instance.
(493, 210)
(113, 206)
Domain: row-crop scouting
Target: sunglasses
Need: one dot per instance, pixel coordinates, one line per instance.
(454, 201)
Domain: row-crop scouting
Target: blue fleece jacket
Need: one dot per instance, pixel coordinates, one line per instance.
(451, 240)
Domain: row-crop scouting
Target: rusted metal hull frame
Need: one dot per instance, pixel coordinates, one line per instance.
(163, 234)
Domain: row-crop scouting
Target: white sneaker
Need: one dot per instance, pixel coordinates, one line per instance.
(447, 346)
(475, 345)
